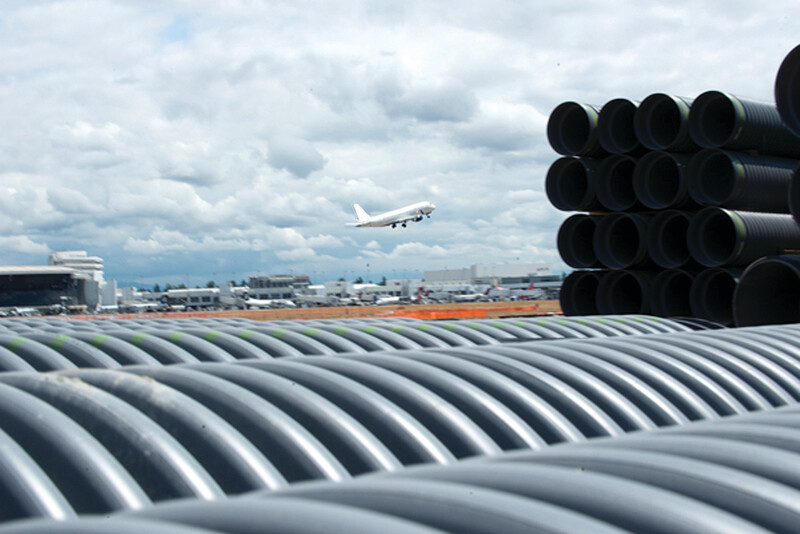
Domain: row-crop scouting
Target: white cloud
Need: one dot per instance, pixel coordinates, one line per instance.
(408, 252)
(325, 241)
(297, 156)
(442, 100)
(297, 254)
(22, 244)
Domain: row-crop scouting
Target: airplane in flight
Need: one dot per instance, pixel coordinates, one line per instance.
(414, 212)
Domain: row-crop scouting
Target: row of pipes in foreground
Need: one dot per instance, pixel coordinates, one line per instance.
(104, 443)
(690, 207)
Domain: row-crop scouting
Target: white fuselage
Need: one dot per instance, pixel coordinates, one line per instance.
(414, 212)
(269, 303)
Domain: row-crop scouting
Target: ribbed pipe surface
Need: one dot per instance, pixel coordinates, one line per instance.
(575, 241)
(739, 181)
(712, 292)
(732, 474)
(579, 292)
(660, 180)
(615, 130)
(666, 239)
(661, 122)
(620, 240)
(572, 130)
(768, 292)
(624, 291)
(794, 195)
(614, 184)
(217, 428)
(787, 90)
(570, 184)
(670, 293)
(719, 237)
(252, 340)
(721, 120)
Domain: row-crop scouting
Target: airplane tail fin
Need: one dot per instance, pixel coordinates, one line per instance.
(361, 215)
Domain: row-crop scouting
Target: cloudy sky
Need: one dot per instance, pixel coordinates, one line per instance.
(199, 140)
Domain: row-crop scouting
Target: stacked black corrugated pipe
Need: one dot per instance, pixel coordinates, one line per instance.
(95, 441)
(677, 197)
(769, 289)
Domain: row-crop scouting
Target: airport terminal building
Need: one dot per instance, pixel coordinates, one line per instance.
(40, 286)
(513, 277)
(71, 280)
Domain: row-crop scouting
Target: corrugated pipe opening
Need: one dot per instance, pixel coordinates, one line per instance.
(659, 180)
(579, 292)
(768, 292)
(572, 130)
(787, 90)
(715, 119)
(739, 181)
(713, 176)
(614, 186)
(620, 240)
(623, 292)
(671, 290)
(570, 184)
(711, 296)
(718, 237)
(615, 126)
(576, 241)
(720, 120)
(666, 239)
(661, 122)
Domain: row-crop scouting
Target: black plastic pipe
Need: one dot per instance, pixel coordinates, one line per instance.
(578, 294)
(614, 185)
(575, 241)
(661, 122)
(769, 292)
(787, 90)
(660, 180)
(718, 237)
(615, 126)
(670, 293)
(721, 120)
(736, 180)
(794, 195)
(666, 239)
(620, 240)
(570, 184)
(572, 130)
(622, 292)
(711, 296)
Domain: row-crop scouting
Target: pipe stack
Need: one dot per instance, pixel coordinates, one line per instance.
(769, 292)
(675, 198)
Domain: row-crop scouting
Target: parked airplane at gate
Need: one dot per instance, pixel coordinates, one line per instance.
(414, 212)
(268, 303)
